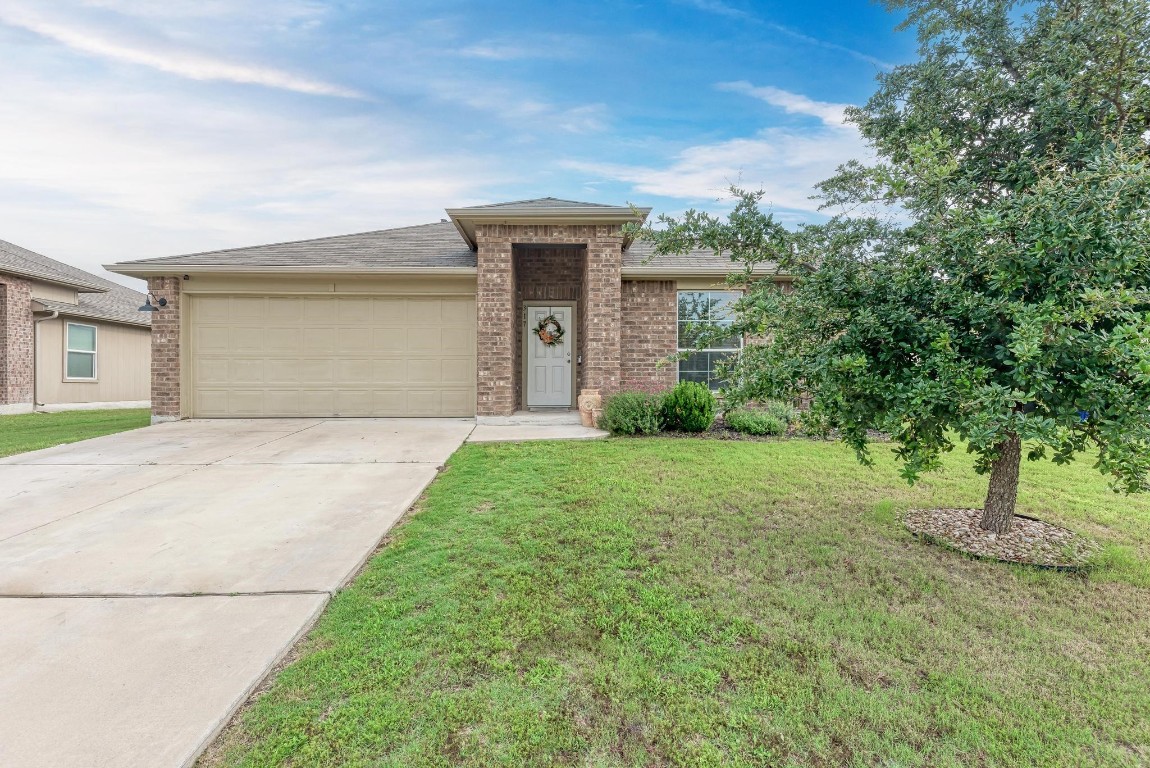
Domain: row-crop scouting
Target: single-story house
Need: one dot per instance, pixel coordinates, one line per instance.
(495, 309)
(68, 338)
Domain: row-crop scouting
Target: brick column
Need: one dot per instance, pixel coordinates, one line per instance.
(16, 345)
(602, 275)
(166, 350)
(495, 338)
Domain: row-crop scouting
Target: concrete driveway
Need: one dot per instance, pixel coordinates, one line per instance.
(148, 580)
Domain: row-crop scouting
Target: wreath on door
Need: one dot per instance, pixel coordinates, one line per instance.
(549, 331)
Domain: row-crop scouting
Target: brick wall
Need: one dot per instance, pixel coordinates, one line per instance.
(16, 341)
(649, 334)
(499, 315)
(166, 349)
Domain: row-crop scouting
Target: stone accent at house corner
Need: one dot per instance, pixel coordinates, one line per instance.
(649, 335)
(498, 315)
(17, 334)
(166, 350)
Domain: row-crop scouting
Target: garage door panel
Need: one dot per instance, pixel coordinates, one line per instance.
(246, 372)
(457, 402)
(389, 311)
(386, 340)
(459, 313)
(247, 310)
(460, 372)
(425, 311)
(316, 310)
(389, 400)
(354, 341)
(213, 372)
(282, 341)
(246, 402)
(455, 341)
(282, 309)
(247, 340)
(355, 372)
(353, 402)
(316, 402)
(423, 372)
(318, 340)
(315, 373)
(282, 401)
(333, 356)
(209, 340)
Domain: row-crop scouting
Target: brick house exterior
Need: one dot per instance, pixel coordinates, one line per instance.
(41, 299)
(389, 309)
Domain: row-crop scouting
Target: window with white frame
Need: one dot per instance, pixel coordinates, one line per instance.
(699, 312)
(80, 351)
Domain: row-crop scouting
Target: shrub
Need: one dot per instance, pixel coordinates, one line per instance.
(689, 407)
(783, 411)
(633, 413)
(755, 422)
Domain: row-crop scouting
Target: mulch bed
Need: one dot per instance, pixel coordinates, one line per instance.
(1029, 541)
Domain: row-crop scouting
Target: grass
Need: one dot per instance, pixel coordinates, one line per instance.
(704, 603)
(33, 431)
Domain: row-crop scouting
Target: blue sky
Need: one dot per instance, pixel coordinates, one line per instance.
(136, 128)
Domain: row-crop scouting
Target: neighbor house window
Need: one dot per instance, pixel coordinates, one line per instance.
(701, 311)
(80, 358)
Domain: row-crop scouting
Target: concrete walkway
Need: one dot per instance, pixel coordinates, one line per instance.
(149, 580)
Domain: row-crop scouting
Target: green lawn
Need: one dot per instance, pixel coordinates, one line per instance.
(33, 431)
(698, 603)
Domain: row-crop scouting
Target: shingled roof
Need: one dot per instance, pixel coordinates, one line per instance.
(427, 247)
(25, 263)
(98, 299)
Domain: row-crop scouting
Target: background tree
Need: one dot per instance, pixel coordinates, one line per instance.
(988, 277)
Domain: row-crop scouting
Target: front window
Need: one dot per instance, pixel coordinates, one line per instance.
(80, 357)
(699, 312)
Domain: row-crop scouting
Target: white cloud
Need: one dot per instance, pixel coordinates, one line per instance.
(99, 174)
(718, 7)
(792, 103)
(162, 55)
(784, 162)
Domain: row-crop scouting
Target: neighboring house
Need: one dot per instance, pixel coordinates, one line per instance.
(68, 338)
(433, 320)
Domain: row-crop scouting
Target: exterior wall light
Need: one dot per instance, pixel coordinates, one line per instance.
(150, 307)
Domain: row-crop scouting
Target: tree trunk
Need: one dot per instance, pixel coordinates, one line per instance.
(998, 512)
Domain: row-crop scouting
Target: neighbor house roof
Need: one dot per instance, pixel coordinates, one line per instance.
(97, 298)
(22, 262)
(119, 305)
(443, 248)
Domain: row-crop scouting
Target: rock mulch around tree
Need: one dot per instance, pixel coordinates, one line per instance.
(1029, 542)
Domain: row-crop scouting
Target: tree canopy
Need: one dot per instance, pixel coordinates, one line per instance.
(985, 279)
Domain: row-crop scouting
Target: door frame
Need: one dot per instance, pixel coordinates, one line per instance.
(572, 334)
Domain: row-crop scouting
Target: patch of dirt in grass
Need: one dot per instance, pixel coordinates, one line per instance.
(1029, 541)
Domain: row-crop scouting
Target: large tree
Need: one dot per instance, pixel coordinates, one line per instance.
(986, 279)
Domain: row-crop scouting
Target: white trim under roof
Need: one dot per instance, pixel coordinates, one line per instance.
(465, 219)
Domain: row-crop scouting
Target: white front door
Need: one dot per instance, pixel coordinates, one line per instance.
(549, 366)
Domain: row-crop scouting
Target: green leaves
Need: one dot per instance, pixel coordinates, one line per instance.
(989, 274)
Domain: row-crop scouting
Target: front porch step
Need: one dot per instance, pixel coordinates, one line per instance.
(530, 417)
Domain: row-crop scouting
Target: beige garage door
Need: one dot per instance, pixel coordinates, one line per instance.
(332, 356)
